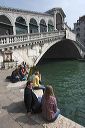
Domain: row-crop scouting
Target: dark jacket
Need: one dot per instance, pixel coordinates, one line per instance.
(31, 101)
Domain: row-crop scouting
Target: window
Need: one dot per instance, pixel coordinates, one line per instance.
(78, 29)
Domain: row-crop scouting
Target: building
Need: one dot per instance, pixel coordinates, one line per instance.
(79, 29)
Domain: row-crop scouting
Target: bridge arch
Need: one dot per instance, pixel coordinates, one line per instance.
(33, 26)
(60, 49)
(21, 26)
(6, 26)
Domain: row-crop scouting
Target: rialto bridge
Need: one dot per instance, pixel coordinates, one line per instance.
(32, 36)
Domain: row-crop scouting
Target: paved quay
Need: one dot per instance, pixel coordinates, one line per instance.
(13, 112)
(12, 109)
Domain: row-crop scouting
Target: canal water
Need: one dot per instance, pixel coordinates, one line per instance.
(68, 81)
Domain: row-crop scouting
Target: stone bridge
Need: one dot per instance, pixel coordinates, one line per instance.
(32, 48)
(33, 36)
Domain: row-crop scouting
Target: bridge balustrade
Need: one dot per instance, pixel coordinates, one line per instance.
(22, 38)
(80, 44)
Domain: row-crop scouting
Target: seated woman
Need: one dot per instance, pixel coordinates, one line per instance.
(31, 102)
(22, 73)
(49, 105)
(36, 81)
(15, 77)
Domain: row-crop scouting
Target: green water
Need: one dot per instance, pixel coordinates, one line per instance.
(68, 81)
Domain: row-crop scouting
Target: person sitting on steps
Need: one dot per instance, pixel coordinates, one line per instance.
(37, 80)
(31, 101)
(50, 109)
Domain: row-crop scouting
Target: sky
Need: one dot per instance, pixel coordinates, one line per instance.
(72, 8)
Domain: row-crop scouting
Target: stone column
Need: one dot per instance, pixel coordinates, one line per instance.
(39, 27)
(47, 26)
(54, 20)
(28, 27)
(14, 29)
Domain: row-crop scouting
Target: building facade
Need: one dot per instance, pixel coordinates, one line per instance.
(79, 29)
(17, 21)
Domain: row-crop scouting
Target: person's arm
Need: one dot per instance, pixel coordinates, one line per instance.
(27, 99)
(55, 105)
(37, 81)
(40, 77)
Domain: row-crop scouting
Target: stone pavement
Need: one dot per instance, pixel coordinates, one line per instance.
(13, 112)
(12, 109)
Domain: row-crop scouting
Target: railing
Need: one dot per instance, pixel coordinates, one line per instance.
(66, 27)
(80, 44)
(72, 36)
(13, 39)
(10, 40)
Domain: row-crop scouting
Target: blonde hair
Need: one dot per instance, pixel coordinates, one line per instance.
(49, 91)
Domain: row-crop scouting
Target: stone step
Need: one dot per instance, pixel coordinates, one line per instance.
(60, 122)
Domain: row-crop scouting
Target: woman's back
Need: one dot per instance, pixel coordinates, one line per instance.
(49, 106)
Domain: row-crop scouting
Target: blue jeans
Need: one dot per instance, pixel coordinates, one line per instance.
(39, 99)
(55, 116)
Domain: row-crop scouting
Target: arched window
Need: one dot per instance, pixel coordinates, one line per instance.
(43, 27)
(50, 26)
(6, 27)
(21, 27)
(58, 21)
(33, 27)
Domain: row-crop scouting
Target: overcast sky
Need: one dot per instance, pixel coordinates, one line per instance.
(72, 8)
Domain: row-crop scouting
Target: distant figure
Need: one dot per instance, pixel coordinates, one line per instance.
(50, 110)
(22, 72)
(15, 77)
(24, 64)
(31, 101)
(7, 32)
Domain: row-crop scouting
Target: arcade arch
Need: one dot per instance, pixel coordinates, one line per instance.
(33, 26)
(20, 25)
(6, 27)
(50, 26)
(43, 26)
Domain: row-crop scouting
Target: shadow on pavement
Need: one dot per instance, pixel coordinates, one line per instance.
(26, 120)
(18, 112)
(15, 107)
